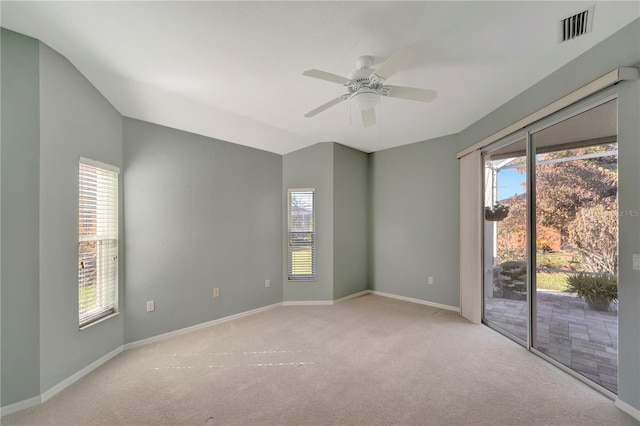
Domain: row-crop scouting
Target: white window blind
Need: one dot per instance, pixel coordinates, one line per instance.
(97, 241)
(301, 263)
(471, 203)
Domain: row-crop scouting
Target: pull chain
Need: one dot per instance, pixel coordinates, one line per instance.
(350, 114)
(380, 122)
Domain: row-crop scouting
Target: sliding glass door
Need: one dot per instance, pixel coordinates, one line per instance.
(576, 243)
(506, 304)
(551, 241)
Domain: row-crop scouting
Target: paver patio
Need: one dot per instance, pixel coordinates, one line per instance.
(566, 330)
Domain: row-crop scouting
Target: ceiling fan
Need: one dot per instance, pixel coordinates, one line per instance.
(365, 85)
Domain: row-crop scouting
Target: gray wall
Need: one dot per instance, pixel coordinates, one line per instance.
(312, 167)
(199, 214)
(350, 218)
(629, 243)
(75, 120)
(339, 175)
(415, 221)
(621, 49)
(20, 152)
(192, 204)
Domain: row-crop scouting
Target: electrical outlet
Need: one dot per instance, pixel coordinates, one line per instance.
(216, 292)
(430, 280)
(267, 283)
(151, 306)
(636, 262)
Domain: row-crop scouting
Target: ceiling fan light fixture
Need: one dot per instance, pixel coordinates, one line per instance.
(365, 85)
(365, 99)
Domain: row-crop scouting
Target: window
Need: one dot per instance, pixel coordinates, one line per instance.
(97, 241)
(301, 262)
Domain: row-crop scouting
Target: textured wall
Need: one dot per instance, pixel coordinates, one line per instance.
(75, 120)
(350, 216)
(20, 157)
(199, 214)
(414, 198)
(312, 167)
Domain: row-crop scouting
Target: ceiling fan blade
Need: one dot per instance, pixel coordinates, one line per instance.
(328, 105)
(368, 117)
(412, 93)
(399, 60)
(323, 75)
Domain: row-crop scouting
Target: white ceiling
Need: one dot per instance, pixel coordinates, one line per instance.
(233, 70)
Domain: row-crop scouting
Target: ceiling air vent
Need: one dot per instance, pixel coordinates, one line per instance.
(576, 25)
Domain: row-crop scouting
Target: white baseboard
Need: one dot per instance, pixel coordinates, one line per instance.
(159, 337)
(307, 303)
(45, 396)
(352, 296)
(419, 301)
(633, 412)
(19, 406)
(324, 302)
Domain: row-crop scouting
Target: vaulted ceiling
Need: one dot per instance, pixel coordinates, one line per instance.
(233, 70)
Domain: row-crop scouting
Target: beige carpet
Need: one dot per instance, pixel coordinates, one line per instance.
(367, 361)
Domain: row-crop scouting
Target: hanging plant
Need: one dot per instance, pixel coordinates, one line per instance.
(497, 213)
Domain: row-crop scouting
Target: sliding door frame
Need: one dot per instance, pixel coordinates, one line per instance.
(593, 101)
(501, 143)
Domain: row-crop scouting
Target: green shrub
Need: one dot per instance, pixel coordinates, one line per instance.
(595, 289)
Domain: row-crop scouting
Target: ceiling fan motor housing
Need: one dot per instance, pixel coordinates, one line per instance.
(364, 62)
(361, 76)
(365, 93)
(365, 98)
(365, 85)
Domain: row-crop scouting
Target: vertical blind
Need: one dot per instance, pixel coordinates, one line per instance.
(471, 204)
(97, 240)
(301, 262)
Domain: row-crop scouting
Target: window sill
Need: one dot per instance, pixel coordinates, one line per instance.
(98, 321)
(302, 280)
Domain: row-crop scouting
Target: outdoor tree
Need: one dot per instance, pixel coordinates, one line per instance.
(593, 233)
(563, 188)
(578, 197)
(512, 231)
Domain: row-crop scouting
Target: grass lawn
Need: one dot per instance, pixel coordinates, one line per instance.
(88, 296)
(301, 263)
(556, 260)
(551, 281)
